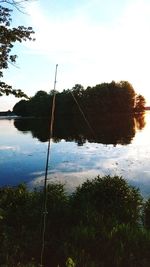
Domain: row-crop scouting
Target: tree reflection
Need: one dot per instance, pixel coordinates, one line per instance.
(140, 121)
(109, 129)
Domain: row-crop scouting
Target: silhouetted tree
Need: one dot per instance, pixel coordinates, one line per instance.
(21, 109)
(8, 36)
(140, 103)
(103, 98)
(39, 105)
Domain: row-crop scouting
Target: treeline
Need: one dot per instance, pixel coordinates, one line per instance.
(102, 98)
(104, 223)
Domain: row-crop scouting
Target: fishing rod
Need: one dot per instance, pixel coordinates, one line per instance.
(52, 111)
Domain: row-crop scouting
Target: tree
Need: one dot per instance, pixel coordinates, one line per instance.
(21, 108)
(8, 36)
(39, 105)
(78, 90)
(146, 214)
(140, 103)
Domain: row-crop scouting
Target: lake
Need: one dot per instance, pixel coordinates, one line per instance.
(116, 145)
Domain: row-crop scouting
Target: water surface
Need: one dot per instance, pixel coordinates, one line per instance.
(117, 145)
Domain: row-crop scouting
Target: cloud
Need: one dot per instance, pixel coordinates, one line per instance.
(117, 51)
(93, 42)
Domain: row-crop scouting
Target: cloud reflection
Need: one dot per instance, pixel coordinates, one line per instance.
(94, 159)
(70, 180)
(12, 148)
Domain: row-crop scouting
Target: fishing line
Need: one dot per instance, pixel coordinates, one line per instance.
(46, 171)
(84, 116)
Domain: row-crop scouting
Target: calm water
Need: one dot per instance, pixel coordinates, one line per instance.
(120, 145)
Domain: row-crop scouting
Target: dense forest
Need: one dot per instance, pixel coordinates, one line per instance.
(103, 98)
(104, 223)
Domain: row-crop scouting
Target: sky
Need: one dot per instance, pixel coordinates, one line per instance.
(92, 41)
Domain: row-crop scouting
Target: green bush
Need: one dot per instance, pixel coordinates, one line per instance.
(146, 214)
(99, 225)
(108, 200)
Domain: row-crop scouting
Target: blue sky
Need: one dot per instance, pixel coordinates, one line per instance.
(92, 41)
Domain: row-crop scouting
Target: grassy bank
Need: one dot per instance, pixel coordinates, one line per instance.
(105, 222)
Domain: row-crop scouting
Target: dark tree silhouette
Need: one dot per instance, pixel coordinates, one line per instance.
(103, 98)
(9, 35)
(140, 103)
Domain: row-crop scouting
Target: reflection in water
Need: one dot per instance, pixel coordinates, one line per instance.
(111, 129)
(120, 146)
(140, 121)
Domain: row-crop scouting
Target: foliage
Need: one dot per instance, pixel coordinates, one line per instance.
(8, 36)
(98, 225)
(146, 214)
(70, 263)
(39, 105)
(140, 103)
(20, 222)
(108, 198)
(103, 98)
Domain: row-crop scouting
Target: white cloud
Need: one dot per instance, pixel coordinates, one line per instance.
(91, 51)
(120, 51)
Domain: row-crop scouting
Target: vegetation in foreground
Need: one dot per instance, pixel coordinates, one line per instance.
(105, 222)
